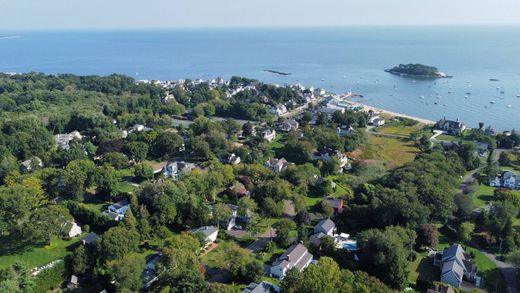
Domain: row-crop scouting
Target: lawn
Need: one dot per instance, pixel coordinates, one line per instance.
(35, 257)
(399, 129)
(277, 142)
(422, 269)
(482, 196)
(393, 151)
(126, 187)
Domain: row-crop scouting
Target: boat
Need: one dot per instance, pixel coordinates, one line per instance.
(509, 106)
(498, 87)
(466, 96)
(518, 96)
(502, 92)
(422, 97)
(492, 102)
(493, 79)
(468, 93)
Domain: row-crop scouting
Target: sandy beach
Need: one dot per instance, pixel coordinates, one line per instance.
(383, 112)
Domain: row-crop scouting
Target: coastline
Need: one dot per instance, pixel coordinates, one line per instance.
(367, 108)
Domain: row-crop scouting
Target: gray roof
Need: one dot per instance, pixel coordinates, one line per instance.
(73, 279)
(205, 230)
(297, 255)
(263, 287)
(453, 266)
(90, 238)
(454, 251)
(325, 225)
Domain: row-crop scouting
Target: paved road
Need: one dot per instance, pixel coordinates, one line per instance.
(261, 241)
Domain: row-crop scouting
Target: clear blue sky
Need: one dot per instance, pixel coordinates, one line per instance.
(111, 14)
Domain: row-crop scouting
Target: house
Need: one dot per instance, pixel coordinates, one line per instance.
(233, 159)
(326, 227)
(232, 221)
(443, 289)
(177, 168)
(508, 179)
(455, 265)
(345, 131)
(279, 110)
(482, 148)
(90, 239)
(297, 256)
(237, 190)
(263, 287)
(328, 156)
(209, 233)
(289, 125)
(73, 282)
(63, 140)
(118, 210)
(376, 121)
(490, 131)
(28, 165)
(269, 134)
(139, 128)
(277, 165)
(315, 239)
(336, 203)
(71, 229)
(450, 126)
(149, 274)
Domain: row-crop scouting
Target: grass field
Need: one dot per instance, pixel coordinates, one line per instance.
(399, 129)
(393, 151)
(35, 257)
(482, 196)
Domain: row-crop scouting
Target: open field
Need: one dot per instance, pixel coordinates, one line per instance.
(399, 129)
(394, 152)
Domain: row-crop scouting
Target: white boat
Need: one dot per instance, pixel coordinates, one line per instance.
(509, 106)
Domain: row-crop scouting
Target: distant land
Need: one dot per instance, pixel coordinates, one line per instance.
(417, 70)
(277, 72)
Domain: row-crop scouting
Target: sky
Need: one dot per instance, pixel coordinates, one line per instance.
(149, 14)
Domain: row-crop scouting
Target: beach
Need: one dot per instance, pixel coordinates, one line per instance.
(384, 112)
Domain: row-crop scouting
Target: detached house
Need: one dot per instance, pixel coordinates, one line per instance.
(326, 227)
(297, 256)
(289, 125)
(277, 165)
(376, 121)
(450, 126)
(233, 159)
(455, 265)
(328, 156)
(210, 234)
(269, 134)
(63, 140)
(71, 229)
(177, 168)
(278, 110)
(508, 180)
(118, 210)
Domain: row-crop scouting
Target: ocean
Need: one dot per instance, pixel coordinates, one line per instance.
(337, 59)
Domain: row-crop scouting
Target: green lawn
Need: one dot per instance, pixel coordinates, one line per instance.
(394, 152)
(277, 142)
(399, 129)
(126, 187)
(482, 196)
(35, 257)
(423, 269)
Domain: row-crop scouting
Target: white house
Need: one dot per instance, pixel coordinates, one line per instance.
(269, 134)
(177, 168)
(327, 157)
(63, 140)
(376, 121)
(297, 256)
(210, 234)
(233, 159)
(508, 180)
(279, 110)
(71, 229)
(27, 165)
(277, 165)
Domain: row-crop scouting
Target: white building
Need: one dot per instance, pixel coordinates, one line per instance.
(210, 234)
(269, 134)
(63, 140)
(297, 256)
(71, 229)
(279, 110)
(277, 165)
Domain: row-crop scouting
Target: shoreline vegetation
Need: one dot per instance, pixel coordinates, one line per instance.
(417, 71)
(375, 110)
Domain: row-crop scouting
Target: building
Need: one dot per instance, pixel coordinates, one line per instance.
(71, 229)
(328, 156)
(233, 159)
(118, 210)
(455, 265)
(297, 256)
(336, 203)
(376, 121)
(149, 274)
(73, 282)
(326, 227)
(28, 165)
(209, 233)
(279, 110)
(269, 134)
(90, 239)
(263, 287)
(490, 131)
(450, 126)
(289, 125)
(277, 165)
(232, 221)
(63, 140)
(237, 190)
(508, 179)
(176, 169)
(482, 148)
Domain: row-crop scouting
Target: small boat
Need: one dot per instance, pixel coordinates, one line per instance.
(435, 103)
(449, 92)
(466, 96)
(492, 102)
(518, 96)
(498, 87)
(422, 97)
(468, 93)
(493, 79)
(502, 92)
(414, 80)
(509, 106)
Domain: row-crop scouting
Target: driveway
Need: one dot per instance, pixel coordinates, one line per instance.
(507, 270)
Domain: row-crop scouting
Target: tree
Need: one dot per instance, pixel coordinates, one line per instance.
(221, 212)
(283, 229)
(137, 150)
(323, 277)
(16, 278)
(514, 257)
(116, 160)
(143, 172)
(246, 205)
(427, 235)
(127, 272)
(107, 181)
(292, 281)
(166, 145)
(273, 208)
(326, 209)
(424, 143)
(465, 230)
(117, 242)
(79, 260)
(46, 222)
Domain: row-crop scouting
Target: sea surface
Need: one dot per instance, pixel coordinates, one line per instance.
(337, 59)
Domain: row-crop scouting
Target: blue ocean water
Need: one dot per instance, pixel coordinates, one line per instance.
(337, 59)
